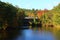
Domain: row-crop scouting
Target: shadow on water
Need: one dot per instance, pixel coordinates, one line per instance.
(9, 34)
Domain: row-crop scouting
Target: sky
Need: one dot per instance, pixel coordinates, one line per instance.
(36, 4)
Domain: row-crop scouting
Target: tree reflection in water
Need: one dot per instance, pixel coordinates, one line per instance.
(9, 34)
(26, 34)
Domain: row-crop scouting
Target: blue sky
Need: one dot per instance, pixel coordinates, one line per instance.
(36, 4)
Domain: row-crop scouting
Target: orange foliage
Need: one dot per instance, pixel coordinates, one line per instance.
(41, 12)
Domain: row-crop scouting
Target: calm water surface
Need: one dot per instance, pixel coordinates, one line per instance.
(26, 34)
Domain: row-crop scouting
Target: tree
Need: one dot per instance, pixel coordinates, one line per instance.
(8, 13)
(21, 16)
(56, 12)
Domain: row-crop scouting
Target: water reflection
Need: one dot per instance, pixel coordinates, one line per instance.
(9, 34)
(26, 34)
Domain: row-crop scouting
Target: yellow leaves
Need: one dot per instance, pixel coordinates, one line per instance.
(38, 16)
(30, 14)
(55, 17)
(56, 28)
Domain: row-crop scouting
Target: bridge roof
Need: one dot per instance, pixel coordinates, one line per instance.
(31, 17)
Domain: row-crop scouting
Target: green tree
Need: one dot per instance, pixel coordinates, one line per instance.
(56, 12)
(8, 13)
(20, 16)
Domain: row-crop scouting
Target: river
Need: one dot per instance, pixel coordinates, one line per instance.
(26, 34)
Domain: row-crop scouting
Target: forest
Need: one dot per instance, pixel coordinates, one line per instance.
(13, 16)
